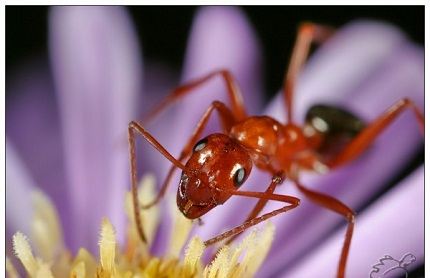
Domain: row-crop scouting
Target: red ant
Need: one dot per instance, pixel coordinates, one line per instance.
(220, 163)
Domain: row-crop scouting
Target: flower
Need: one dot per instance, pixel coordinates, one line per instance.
(54, 260)
(95, 59)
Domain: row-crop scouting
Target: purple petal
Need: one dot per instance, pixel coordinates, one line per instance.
(387, 66)
(33, 126)
(399, 75)
(342, 64)
(393, 226)
(18, 186)
(312, 88)
(19, 210)
(220, 38)
(97, 69)
(159, 80)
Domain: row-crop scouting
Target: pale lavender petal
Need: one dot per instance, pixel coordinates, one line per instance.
(33, 126)
(19, 210)
(399, 75)
(393, 226)
(356, 40)
(98, 73)
(342, 64)
(398, 67)
(159, 80)
(220, 38)
(18, 186)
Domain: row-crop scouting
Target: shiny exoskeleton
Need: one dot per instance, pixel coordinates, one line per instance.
(211, 173)
(220, 163)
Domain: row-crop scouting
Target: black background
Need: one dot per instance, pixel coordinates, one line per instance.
(163, 31)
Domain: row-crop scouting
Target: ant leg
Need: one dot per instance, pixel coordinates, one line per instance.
(336, 206)
(308, 33)
(233, 91)
(276, 180)
(132, 128)
(368, 135)
(227, 121)
(294, 202)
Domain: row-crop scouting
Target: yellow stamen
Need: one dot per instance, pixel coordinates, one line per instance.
(255, 256)
(107, 249)
(181, 229)
(44, 271)
(22, 250)
(193, 253)
(219, 267)
(246, 244)
(136, 259)
(253, 249)
(46, 231)
(152, 269)
(78, 271)
(149, 217)
(10, 269)
(87, 260)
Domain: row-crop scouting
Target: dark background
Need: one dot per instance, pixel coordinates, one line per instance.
(163, 32)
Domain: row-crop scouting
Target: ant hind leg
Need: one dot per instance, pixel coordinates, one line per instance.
(233, 92)
(338, 207)
(307, 34)
(362, 141)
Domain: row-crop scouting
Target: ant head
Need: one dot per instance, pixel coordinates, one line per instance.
(218, 165)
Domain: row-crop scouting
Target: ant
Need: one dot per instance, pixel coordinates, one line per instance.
(220, 163)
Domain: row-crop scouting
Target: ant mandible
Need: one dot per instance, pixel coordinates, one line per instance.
(220, 163)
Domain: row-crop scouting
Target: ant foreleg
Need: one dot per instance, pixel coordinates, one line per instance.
(294, 202)
(227, 121)
(308, 33)
(336, 206)
(233, 90)
(276, 180)
(132, 128)
(368, 135)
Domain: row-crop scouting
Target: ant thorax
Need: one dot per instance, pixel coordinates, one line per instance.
(219, 164)
(272, 145)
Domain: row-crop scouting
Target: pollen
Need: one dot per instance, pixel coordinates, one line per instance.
(107, 250)
(45, 227)
(23, 251)
(134, 259)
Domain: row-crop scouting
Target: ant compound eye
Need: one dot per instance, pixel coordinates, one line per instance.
(200, 145)
(239, 177)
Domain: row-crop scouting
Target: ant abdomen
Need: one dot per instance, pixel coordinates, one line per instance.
(219, 164)
(335, 127)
